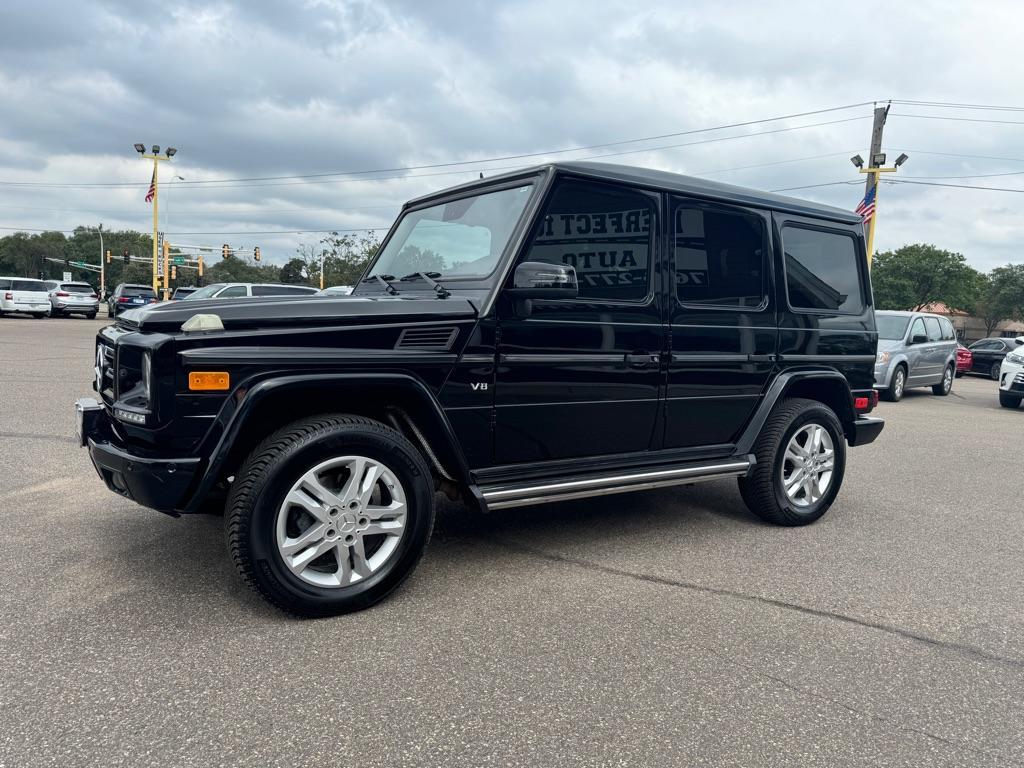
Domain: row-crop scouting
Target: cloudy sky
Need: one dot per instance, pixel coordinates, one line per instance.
(264, 98)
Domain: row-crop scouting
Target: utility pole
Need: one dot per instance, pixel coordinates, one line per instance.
(876, 161)
(154, 196)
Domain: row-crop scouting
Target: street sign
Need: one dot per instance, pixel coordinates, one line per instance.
(160, 251)
(179, 260)
(67, 277)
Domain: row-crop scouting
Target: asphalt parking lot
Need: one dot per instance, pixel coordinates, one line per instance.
(662, 628)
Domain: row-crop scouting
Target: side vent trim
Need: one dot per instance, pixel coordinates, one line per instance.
(427, 338)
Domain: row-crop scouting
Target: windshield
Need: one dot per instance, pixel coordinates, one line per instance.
(205, 292)
(891, 327)
(463, 238)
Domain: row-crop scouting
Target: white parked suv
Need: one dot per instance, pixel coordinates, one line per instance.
(1011, 377)
(22, 294)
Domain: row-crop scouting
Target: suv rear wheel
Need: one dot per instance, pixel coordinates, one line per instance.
(330, 514)
(801, 460)
(945, 386)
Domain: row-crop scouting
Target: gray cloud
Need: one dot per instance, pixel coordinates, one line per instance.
(272, 88)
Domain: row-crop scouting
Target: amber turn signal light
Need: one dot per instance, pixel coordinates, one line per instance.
(209, 381)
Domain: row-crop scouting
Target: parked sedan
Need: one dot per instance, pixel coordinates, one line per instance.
(19, 294)
(74, 299)
(964, 360)
(129, 296)
(989, 353)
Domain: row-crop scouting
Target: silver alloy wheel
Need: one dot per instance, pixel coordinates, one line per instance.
(807, 465)
(947, 380)
(341, 521)
(897, 386)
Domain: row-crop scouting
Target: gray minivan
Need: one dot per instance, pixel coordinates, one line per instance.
(915, 349)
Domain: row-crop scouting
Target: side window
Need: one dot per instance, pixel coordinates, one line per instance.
(719, 256)
(932, 325)
(948, 334)
(233, 291)
(5, 284)
(917, 329)
(604, 232)
(821, 270)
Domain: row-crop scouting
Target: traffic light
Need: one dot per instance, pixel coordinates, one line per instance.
(174, 272)
(225, 251)
(108, 255)
(126, 256)
(256, 253)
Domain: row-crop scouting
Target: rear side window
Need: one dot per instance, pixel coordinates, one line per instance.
(131, 290)
(948, 334)
(719, 256)
(604, 232)
(821, 270)
(4, 283)
(932, 324)
(233, 291)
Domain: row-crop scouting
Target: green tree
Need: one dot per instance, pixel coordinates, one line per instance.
(293, 271)
(916, 275)
(344, 258)
(241, 269)
(1001, 297)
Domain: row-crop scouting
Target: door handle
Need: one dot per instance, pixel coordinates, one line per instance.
(642, 359)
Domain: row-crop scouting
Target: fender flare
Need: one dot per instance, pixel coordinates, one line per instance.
(232, 421)
(777, 391)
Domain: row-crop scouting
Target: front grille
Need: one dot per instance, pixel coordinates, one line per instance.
(104, 369)
(427, 338)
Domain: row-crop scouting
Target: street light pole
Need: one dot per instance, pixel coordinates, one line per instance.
(156, 157)
(103, 263)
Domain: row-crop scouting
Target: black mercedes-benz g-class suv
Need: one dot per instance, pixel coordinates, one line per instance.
(565, 331)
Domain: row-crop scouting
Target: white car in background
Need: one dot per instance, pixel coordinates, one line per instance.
(24, 295)
(240, 290)
(1011, 377)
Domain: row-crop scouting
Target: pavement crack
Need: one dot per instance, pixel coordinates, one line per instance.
(959, 648)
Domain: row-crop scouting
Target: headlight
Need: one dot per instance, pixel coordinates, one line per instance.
(1016, 358)
(883, 357)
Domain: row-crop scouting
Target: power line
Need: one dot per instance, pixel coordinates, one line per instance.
(957, 186)
(813, 186)
(959, 119)
(431, 166)
(956, 105)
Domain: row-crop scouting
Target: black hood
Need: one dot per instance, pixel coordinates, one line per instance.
(301, 311)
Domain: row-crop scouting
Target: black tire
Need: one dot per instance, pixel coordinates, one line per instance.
(993, 372)
(762, 489)
(90, 315)
(945, 386)
(38, 315)
(1009, 401)
(268, 474)
(892, 393)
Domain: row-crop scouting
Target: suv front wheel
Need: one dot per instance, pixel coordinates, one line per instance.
(330, 514)
(801, 459)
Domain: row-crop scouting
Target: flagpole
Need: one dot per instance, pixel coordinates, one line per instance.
(156, 221)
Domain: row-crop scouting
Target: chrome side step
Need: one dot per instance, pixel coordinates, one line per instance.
(521, 495)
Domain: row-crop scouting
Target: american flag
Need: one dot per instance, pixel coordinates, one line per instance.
(866, 207)
(152, 188)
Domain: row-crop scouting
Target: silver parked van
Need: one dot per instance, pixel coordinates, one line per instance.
(915, 349)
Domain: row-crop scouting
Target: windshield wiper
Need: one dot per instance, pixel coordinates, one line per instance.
(383, 280)
(428, 278)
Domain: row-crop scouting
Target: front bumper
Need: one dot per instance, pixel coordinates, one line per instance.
(864, 430)
(158, 482)
(882, 374)
(1011, 378)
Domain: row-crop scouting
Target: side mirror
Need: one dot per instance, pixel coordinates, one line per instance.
(918, 339)
(537, 280)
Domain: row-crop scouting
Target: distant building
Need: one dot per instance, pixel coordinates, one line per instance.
(969, 328)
